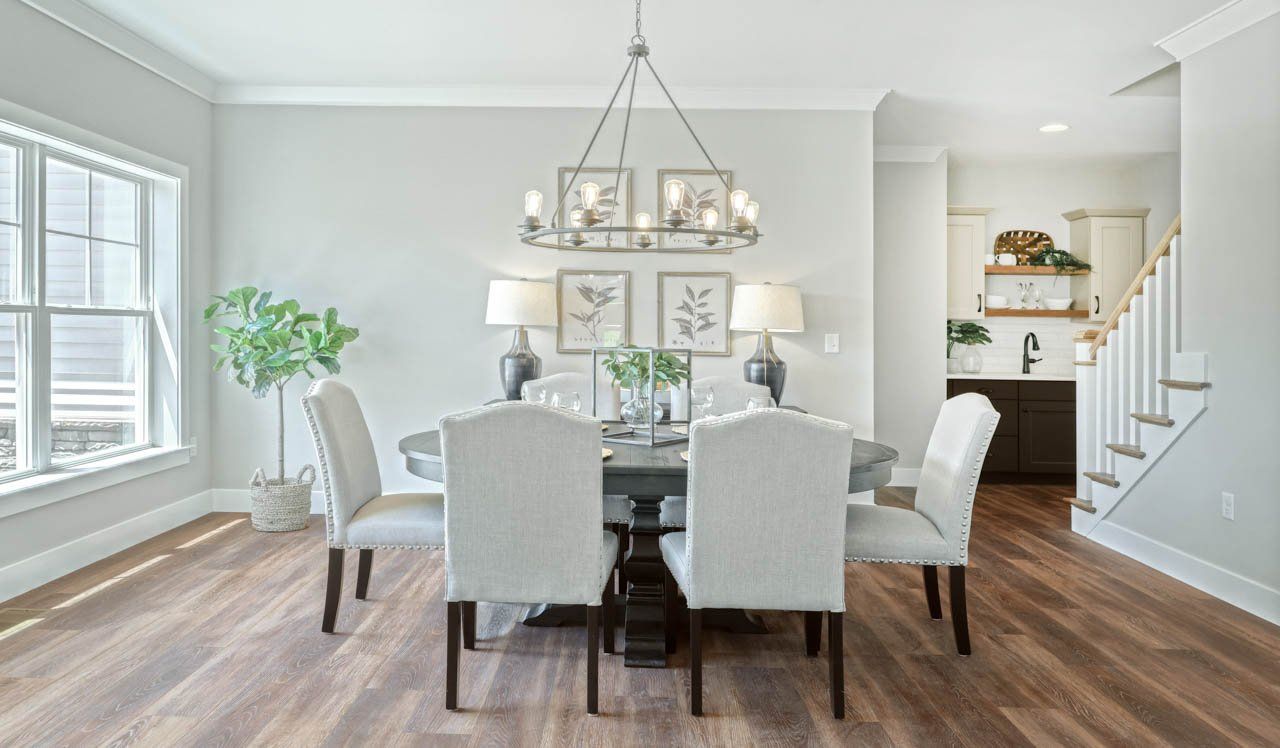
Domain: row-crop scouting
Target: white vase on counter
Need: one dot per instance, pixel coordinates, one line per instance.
(953, 365)
(970, 360)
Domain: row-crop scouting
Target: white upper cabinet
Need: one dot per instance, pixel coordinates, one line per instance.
(966, 276)
(1114, 242)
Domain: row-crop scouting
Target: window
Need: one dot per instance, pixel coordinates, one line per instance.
(77, 317)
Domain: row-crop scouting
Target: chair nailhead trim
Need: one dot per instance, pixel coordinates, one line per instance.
(324, 465)
(389, 547)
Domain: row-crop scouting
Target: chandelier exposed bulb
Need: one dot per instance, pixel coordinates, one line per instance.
(738, 201)
(532, 211)
(644, 239)
(590, 194)
(674, 190)
(753, 212)
(709, 217)
(576, 238)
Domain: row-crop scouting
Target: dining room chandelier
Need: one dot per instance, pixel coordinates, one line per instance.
(592, 223)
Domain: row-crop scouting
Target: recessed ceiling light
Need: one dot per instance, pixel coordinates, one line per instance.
(1055, 127)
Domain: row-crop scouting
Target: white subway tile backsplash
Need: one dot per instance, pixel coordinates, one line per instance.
(1004, 353)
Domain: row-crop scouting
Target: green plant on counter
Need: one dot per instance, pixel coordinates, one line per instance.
(631, 369)
(965, 333)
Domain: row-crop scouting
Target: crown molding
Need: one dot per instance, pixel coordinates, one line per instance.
(573, 97)
(1233, 17)
(909, 154)
(118, 39)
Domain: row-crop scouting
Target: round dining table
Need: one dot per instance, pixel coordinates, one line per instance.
(646, 474)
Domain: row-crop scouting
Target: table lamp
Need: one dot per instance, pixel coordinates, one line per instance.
(523, 303)
(766, 309)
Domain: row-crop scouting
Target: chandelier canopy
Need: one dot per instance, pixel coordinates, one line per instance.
(592, 224)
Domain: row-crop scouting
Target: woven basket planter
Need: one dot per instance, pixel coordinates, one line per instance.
(281, 506)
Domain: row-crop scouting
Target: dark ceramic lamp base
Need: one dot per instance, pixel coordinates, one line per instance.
(764, 367)
(518, 365)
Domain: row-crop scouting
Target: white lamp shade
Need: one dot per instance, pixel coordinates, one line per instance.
(521, 302)
(767, 307)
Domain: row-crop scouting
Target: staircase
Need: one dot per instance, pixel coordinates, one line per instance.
(1137, 391)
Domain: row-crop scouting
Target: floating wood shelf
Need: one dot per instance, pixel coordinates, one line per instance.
(1037, 312)
(1029, 270)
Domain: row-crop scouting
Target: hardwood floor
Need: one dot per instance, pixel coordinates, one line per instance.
(210, 635)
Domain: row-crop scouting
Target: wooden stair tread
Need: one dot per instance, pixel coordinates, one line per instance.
(1154, 419)
(1086, 363)
(1130, 450)
(1106, 479)
(1084, 504)
(1182, 384)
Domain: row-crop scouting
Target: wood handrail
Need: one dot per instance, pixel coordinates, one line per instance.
(1148, 268)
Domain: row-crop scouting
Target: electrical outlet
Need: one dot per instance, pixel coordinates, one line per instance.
(192, 446)
(833, 342)
(1228, 506)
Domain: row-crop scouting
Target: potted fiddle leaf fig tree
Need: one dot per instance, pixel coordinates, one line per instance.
(267, 345)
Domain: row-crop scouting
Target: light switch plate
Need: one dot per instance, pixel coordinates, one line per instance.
(1228, 506)
(833, 342)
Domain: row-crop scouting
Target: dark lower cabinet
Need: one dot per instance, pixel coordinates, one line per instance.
(1037, 429)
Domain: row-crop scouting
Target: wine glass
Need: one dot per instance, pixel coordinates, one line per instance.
(566, 401)
(756, 402)
(702, 398)
(533, 393)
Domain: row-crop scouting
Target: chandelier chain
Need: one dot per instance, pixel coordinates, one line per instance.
(638, 20)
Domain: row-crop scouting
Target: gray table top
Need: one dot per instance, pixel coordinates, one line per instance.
(869, 469)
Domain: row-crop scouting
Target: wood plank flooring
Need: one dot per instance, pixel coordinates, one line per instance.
(210, 635)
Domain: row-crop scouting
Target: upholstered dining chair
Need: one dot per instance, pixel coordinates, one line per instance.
(792, 468)
(936, 532)
(617, 509)
(539, 467)
(357, 514)
(731, 396)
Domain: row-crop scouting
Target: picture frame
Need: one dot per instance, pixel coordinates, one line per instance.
(698, 182)
(616, 208)
(593, 309)
(693, 312)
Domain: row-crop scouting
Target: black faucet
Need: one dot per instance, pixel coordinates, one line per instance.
(1027, 361)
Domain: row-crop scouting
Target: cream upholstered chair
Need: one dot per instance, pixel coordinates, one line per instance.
(792, 468)
(731, 395)
(356, 512)
(936, 533)
(617, 509)
(539, 467)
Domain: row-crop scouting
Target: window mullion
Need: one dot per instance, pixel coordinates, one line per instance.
(37, 348)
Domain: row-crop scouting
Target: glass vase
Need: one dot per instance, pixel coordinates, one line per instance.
(971, 360)
(635, 413)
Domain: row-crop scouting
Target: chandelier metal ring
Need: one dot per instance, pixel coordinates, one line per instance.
(559, 238)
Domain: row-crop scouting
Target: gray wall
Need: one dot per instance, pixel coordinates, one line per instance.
(910, 306)
(59, 73)
(400, 217)
(1231, 190)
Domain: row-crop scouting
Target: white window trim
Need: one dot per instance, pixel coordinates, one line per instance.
(164, 219)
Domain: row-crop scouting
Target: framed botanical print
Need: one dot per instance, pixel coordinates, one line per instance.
(594, 309)
(703, 189)
(614, 204)
(693, 312)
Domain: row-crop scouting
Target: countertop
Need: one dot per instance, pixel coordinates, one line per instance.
(1033, 377)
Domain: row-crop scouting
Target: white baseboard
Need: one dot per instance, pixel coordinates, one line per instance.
(237, 500)
(905, 477)
(42, 568)
(1244, 593)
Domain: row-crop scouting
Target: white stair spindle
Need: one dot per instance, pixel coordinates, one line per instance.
(1086, 422)
(1102, 410)
(1137, 370)
(1150, 355)
(1163, 318)
(1175, 294)
(1123, 406)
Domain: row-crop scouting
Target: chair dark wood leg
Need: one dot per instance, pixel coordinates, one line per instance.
(609, 611)
(451, 656)
(835, 653)
(812, 632)
(333, 590)
(362, 573)
(959, 611)
(931, 592)
(469, 625)
(671, 609)
(624, 542)
(593, 659)
(695, 662)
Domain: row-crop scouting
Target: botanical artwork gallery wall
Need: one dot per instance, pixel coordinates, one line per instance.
(400, 217)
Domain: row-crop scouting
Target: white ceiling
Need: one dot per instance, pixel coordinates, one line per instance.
(978, 77)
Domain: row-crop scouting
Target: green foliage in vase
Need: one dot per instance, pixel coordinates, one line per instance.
(965, 333)
(631, 368)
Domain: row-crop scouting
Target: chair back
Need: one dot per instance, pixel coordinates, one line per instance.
(522, 510)
(731, 393)
(607, 397)
(952, 462)
(766, 511)
(344, 449)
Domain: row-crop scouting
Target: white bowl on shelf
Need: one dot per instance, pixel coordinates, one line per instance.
(1058, 305)
(995, 301)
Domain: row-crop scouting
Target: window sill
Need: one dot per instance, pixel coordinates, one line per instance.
(29, 493)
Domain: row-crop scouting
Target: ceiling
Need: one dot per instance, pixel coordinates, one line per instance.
(978, 77)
